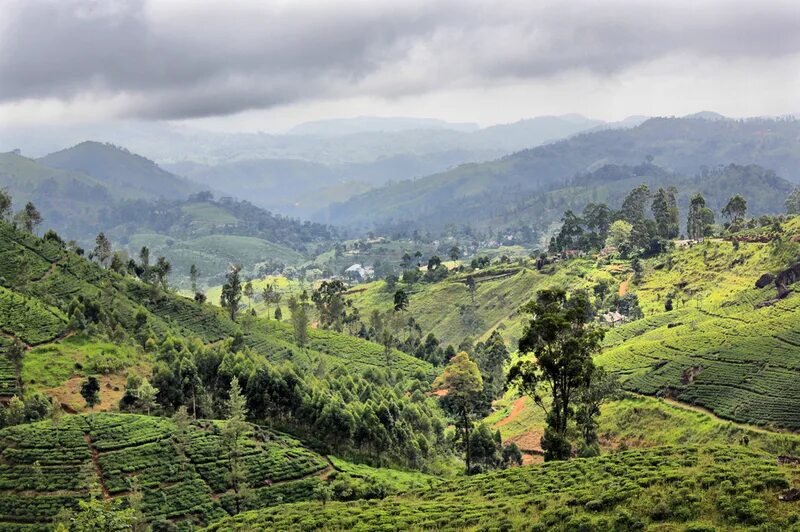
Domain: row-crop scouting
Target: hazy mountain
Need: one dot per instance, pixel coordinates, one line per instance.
(119, 167)
(478, 192)
(367, 124)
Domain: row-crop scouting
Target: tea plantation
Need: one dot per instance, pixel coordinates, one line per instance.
(718, 348)
(666, 488)
(47, 467)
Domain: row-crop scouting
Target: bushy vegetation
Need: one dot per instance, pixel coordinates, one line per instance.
(684, 487)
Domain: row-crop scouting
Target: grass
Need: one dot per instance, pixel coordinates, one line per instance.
(49, 365)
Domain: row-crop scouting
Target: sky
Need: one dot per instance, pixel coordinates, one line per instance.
(269, 65)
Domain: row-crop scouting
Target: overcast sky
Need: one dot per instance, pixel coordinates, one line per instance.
(267, 65)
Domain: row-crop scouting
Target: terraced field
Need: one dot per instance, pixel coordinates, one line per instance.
(686, 488)
(718, 349)
(114, 449)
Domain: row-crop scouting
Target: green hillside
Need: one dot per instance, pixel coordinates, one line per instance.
(46, 468)
(717, 349)
(118, 167)
(492, 193)
(447, 309)
(664, 488)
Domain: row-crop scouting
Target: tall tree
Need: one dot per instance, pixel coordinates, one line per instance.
(231, 291)
(633, 207)
(665, 212)
(102, 249)
(700, 218)
(162, 270)
(299, 320)
(268, 295)
(597, 217)
(736, 209)
(463, 383)
(562, 342)
(249, 292)
(455, 253)
(30, 217)
(232, 433)
(194, 275)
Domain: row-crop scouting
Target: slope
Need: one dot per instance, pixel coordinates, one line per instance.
(720, 348)
(118, 167)
(40, 281)
(47, 467)
(667, 488)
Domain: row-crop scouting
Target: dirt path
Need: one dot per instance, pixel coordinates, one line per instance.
(96, 463)
(623, 286)
(516, 409)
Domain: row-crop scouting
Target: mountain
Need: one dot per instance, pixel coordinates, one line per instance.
(479, 192)
(68, 200)
(117, 166)
(373, 124)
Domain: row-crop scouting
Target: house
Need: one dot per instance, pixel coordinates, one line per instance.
(613, 318)
(358, 273)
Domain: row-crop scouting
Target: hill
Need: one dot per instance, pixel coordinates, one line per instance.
(686, 488)
(117, 166)
(179, 472)
(486, 191)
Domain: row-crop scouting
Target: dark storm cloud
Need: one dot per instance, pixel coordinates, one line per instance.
(194, 59)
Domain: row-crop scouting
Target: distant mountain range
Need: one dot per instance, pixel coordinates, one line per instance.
(489, 194)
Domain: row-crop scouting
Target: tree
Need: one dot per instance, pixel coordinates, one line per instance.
(434, 262)
(700, 218)
(5, 204)
(147, 395)
(30, 217)
(194, 275)
(270, 296)
(793, 201)
(400, 300)
(571, 233)
(232, 432)
(249, 292)
(735, 209)
(102, 249)
(330, 303)
(455, 253)
(231, 291)
(278, 313)
(562, 343)
(90, 391)
(600, 388)
(619, 234)
(463, 382)
(665, 212)
(299, 320)
(633, 207)
(162, 270)
(597, 217)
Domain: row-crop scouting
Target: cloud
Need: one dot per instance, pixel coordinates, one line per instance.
(167, 60)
